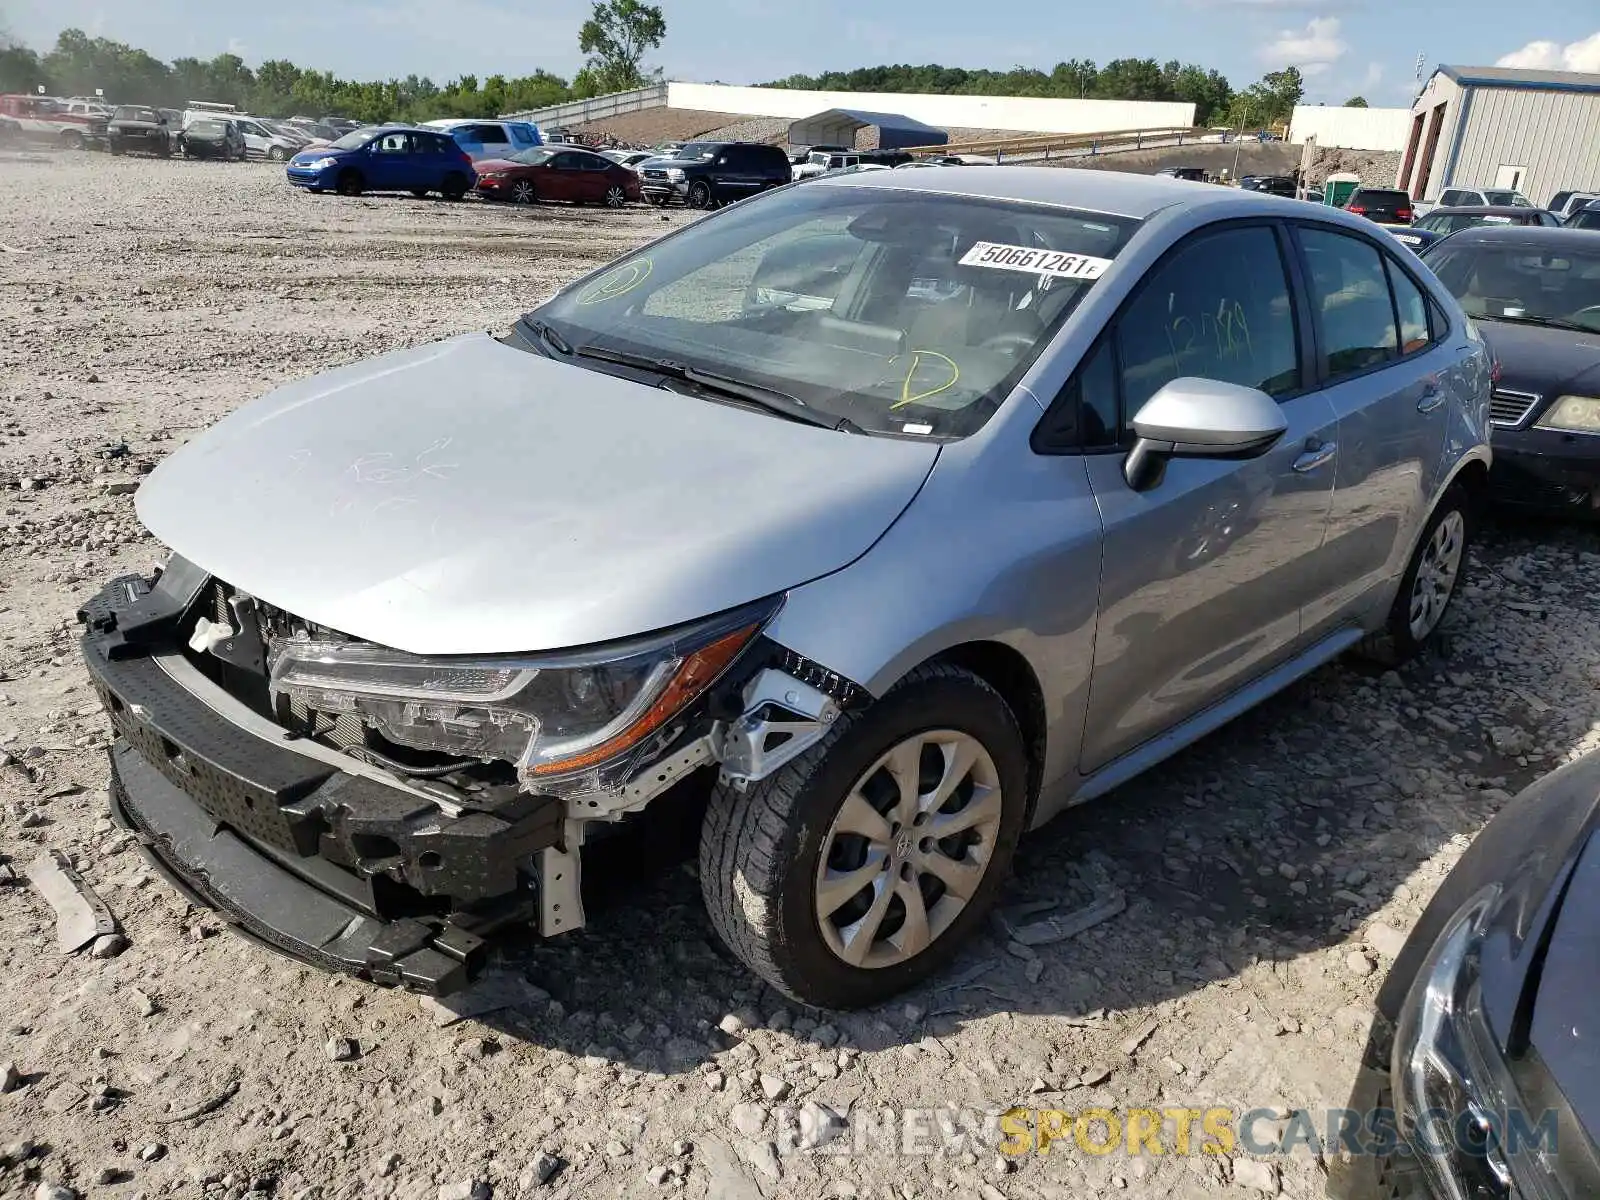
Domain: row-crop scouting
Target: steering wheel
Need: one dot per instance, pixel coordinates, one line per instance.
(1013, 341)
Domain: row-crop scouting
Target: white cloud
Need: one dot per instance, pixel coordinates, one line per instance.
(237, 46)
(1313, 49)
(1582, 55)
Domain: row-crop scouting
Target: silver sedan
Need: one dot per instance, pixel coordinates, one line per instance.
(884, 518)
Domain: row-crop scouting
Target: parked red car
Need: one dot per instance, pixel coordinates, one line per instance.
(557, 173)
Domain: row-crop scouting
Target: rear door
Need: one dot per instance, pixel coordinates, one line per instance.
(591, 180)
(1383, 362)
(562, 178)
(1204, 575)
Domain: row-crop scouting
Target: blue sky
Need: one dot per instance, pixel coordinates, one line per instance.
(1344, 46)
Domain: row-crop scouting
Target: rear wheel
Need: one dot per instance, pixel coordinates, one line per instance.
(72, 140)
(859, 868)
(164, 150)
(115, 147)
(523, 191)
(700, 194)
(351, 182)
(616, 196)
(455, 186)
(1429, 584)
(419, 193)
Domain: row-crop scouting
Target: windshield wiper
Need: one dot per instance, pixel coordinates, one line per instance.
(1548, 322)
(769, 399)
(548, 336)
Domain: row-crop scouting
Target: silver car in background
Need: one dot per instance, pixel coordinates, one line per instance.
(885, 517)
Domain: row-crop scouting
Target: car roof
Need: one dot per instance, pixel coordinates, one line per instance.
(1486, 210)
(1112, 192)
(1553, 237)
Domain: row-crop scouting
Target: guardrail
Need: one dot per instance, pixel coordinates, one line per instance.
(598, 108)
(1094, 143)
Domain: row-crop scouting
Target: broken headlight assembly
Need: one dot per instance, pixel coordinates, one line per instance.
(552, 716)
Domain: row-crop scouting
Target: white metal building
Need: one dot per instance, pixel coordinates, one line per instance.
(1477, 127)
(1350, 128)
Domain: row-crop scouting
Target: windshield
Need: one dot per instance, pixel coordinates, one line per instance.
(698, 151)
(1507, 281)
(129, 112)
(532, 158)
(1507, 197)
(209, 129)
(1450, 222)
(354, 140)
(1589, 218)
(901, 312)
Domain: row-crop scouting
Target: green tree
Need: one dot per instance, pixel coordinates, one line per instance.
(1356, 102)
(616, 38)
(1132, 79)
(1268, 101)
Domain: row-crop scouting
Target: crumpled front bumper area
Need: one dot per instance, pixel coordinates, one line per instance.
(340, 869)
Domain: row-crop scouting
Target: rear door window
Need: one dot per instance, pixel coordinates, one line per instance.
(521, 136)
(1351, 303)
(1411, 306)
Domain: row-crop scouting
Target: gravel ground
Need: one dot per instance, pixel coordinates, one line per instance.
(1269, 871)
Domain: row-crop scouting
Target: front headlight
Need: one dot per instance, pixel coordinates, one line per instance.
(550, 715)
(322, 164)
(676, 174)
(1443, 1083)
(1572, 414)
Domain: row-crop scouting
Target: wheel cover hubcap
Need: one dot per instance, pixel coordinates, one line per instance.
(908, 848)
(1437, 574)
(523, 191)
(616, 198)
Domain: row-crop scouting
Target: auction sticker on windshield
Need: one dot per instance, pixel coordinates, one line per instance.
(1059, 263)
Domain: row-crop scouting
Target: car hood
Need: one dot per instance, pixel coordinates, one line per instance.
(1551, 362)
(682, 163)
(1565, 1028)
(141, 126)
(469, 497)
(489, 165)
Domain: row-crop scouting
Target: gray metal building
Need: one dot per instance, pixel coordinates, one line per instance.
(1477, 127)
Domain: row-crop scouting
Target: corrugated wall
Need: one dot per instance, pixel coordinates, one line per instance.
(1351, 128)
(1018, 113)
(1555, 135)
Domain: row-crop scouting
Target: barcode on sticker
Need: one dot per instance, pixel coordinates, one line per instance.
(1059, 263)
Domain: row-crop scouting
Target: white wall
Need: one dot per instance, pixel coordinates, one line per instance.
(1351, 128)
(970, 112)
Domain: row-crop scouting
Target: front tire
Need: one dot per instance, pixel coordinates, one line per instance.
(455, 186)
(700, 195)
(859, 868)
(523, 191)
(277, 154)
(616, 197)
(1430, 583)
(351, 182)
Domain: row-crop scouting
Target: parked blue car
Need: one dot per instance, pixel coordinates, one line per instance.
(388, 158)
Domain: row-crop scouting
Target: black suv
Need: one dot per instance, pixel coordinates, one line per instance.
(707, 174)
(139, 127)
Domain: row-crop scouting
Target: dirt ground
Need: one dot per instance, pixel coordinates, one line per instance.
(1269, 871)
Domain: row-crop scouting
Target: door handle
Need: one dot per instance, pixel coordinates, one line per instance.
(1432, 398)
(1314, 456)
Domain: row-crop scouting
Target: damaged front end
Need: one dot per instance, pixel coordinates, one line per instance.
(382, 813)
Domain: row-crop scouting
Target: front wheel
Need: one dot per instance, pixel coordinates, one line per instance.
(858, 869)
(350, 182)
(72, 140)
(524, 192)
(700, 194)
(276, 154)
(616, 197)
(1431, 581)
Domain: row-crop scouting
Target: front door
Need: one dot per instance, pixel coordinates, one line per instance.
(564, 174)
(1387, 380)
(1204, 575)
(386, 161)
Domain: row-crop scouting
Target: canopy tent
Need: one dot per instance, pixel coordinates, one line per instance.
(839, 126)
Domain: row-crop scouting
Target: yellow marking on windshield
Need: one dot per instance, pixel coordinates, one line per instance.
(617, 283)
(907, 396)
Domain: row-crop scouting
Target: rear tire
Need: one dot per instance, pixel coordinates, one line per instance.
(455, 186)
(351, 182)
(1431, 581)
(419, 193)
(765, 853)
(72, 140)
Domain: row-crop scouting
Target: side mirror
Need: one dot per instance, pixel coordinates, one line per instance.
(1200, 418)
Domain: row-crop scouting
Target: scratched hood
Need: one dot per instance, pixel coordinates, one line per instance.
(468, 498)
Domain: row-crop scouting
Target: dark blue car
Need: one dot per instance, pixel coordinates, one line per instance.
(389, 158)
